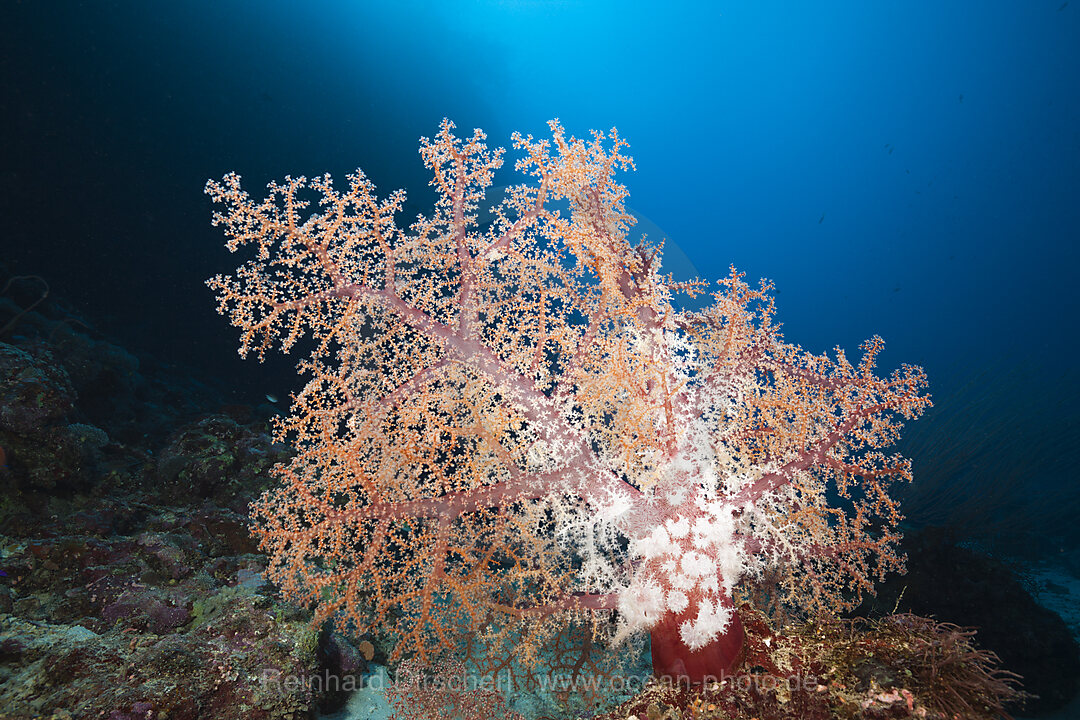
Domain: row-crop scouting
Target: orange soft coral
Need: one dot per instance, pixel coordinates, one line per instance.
(509, 425)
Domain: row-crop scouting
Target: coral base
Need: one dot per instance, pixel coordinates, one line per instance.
(674, 662)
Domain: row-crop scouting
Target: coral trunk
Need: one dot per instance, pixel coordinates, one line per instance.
(675, 662)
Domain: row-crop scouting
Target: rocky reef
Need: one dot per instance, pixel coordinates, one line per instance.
(129, 584)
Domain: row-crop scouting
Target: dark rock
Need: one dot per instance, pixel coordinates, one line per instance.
(34, 391)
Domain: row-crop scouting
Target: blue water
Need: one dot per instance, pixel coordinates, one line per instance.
(908, 169)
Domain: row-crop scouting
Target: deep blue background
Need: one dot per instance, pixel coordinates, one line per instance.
(909, 169)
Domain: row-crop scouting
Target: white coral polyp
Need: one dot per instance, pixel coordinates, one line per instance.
(678, 528)
(703, 527)
(677, 601)
(715, 530)
(695, 565)
(712, 619)
(710, 584)
(681, 581)
(731, 564)
(656, 544)
(694, 638)
(641, 604)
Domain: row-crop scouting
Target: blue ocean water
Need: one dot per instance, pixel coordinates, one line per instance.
(903, 169)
